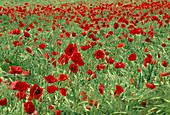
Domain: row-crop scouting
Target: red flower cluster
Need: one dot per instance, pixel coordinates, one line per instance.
(118, 91)
(15, 70)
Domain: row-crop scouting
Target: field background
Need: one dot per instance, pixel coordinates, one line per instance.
(157, 100)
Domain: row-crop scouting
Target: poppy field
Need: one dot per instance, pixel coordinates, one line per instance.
(84, 57)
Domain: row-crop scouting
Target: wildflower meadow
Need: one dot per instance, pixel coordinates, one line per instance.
(82, 57)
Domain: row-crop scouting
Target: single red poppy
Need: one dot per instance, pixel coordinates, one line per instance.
(118, 91)
(71, 49)
(21, 95)
(3, 102)
(50, 79)
(29, 50)
(110, 60)
(63, 91)
(29, 107)
(101, 89)
(26, 34)
(120, 45)
(46, 56)
(89, 72)
(132, 81)
(42, 46)
(36, 91)
(85, 47)
(100, 67)
(116, 25)
(76, 58)
(58, 112)
(99, 54)
(83, 95)
(150, 85)
(73, 68)
(132, 57)
(164, 74)
(51, 107)
(119, 65)
(164, 63)
(62, 77)
(52, 88)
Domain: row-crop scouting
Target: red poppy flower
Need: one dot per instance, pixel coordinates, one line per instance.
(132, 81)
(148, 59)
(119, 65)
(164, 74)
(110, 60)
(139, 70)
(7, 60)
(90, 102)
(51, 107)
(63, 91)
(73, 68)
(29, 50)
(88, 108)
(101, 88)
(120, 45)
(58, 112)
(3, 102)
(132, 57)
(96, 103)
(53, 62)
(52, 89)
(25, 72)
(164, 63)
(83, 95)
(150, 85)
(29, 107)
(144, 103)
(163, 45)
(0, 80)
(99, 54)
(159, 56)
(46, 56)
(85, 47)
(76, 58)
(19, 85)
(94, 75)
(63, 59)
(31, 25)
(21, 25)
(116, 25)
(89, 72)
(130, 39)
(42, 46)
(54, 53)
(71, 49)
(59, 43)
(62, 77)
(146, 50)
(36, 91)
(20, 95)
(118, 91)
(100, 67)
(74, 34)
(50, 79)
(26, 34)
